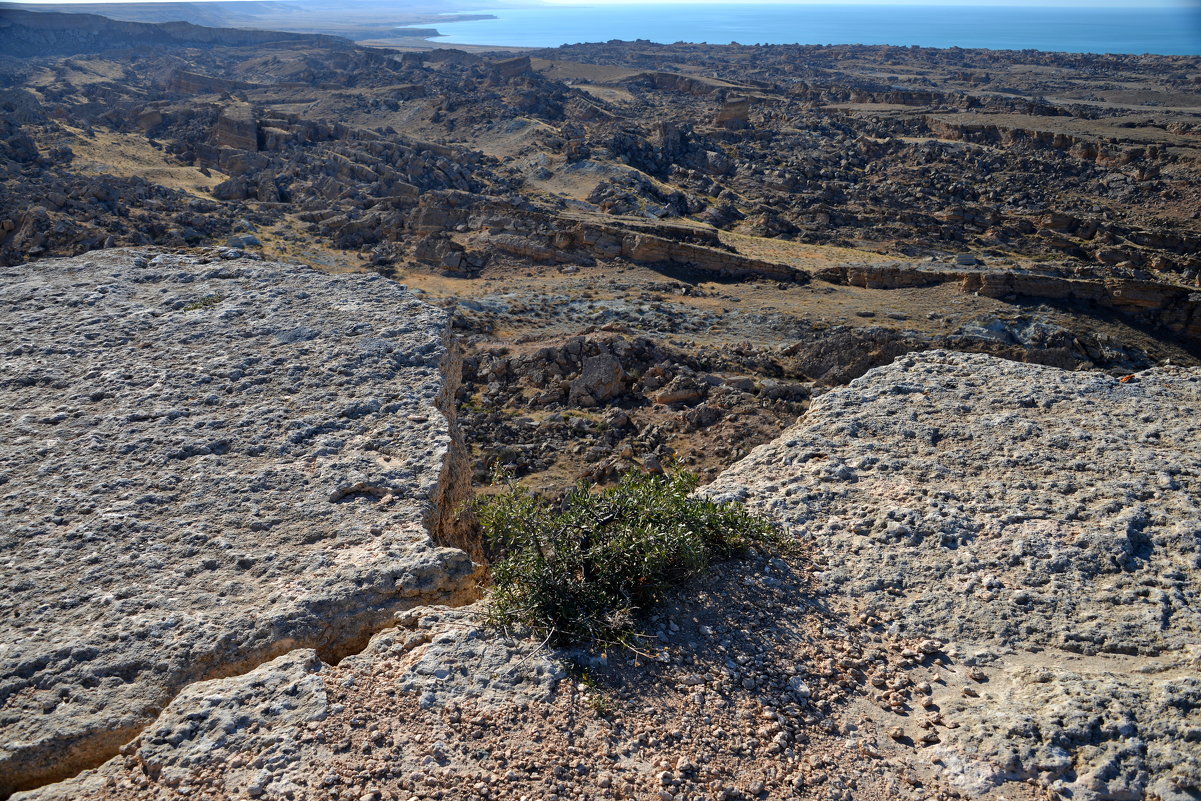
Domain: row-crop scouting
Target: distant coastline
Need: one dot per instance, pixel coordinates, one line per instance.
(411, 32)
(370, 22)
(1159, 30)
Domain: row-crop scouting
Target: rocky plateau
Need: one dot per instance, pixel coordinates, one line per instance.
(275, 305)
(209, 463)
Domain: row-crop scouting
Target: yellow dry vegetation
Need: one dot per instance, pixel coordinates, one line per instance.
(796, 254)
(288, 241)
(609, 94)
(130, 155)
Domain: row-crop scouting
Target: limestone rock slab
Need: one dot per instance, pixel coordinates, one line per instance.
(205, 465)
(263, 716)
(1046, 527)
(279, 731)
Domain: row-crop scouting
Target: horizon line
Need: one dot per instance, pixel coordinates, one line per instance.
(511, 4)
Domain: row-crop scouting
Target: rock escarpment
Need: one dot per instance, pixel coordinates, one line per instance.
(208, 463)
(1164, 305)
(1045, 526)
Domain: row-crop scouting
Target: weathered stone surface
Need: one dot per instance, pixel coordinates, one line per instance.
(601, 378)
(206, 465)
(512, 67)
(734, 113)
(237, 128)
(954, 609)
(450, 656)
(264, 734)
(263, 712)
(1045, 524)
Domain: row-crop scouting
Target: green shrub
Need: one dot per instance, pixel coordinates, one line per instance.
(585, 568)
(205, 302)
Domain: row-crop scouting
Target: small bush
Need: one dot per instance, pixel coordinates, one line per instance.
(204, 303)
(585, 568)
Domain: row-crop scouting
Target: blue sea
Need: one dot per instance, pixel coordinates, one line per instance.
(1172, 30)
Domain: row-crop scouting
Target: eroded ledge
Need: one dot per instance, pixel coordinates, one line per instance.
(179, 433)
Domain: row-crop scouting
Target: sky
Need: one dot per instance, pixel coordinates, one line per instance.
(1042, 3)
(1034, 3)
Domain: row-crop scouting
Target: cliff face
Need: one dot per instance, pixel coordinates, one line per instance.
(1040, 527)
(1168, 306)
(193, 83)
(210, 463)
(237, 128)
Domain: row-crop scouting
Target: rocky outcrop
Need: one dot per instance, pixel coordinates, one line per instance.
(1170, 306)
(983, 131)
(1039, 528)
(674, 82)
(193, 83)
(509, 68)
(650, 249)
(209, 463)
(544, 239)
(1003, 606)
(272, 733)
(734, 114)
(237, 128)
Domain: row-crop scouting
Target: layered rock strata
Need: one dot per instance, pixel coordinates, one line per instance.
(1173, 307)
(1043, 528)
(208, 463)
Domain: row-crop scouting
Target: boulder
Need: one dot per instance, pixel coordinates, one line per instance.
(237, 128)
(681, 389)
(734, 114)
(601, 379)
(509, 68)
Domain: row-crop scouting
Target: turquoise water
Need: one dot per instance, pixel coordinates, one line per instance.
(1167, 30)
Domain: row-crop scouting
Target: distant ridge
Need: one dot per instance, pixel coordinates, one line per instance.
(226, 14)
(31, 33)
